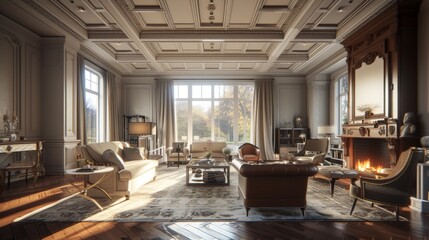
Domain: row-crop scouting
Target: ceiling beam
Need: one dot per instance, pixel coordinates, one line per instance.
(252, 36)
(291, 32)
(316, 36)
(130, 30)
(293, 58)
(211, 59)
(275, 9)
(107, 35)
(131, 58)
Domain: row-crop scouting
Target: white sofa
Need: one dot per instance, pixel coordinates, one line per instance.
(122, 182)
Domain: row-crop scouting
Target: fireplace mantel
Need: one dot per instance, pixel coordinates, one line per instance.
(380, 133)
(370, 130)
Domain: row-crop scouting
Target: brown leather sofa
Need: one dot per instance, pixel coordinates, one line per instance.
(273, 183)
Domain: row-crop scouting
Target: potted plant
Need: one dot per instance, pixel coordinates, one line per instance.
(227, 152)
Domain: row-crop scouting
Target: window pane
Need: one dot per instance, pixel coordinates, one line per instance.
(224, 121)
(244, 120)
(181, 91)
(223, 91)
(245, 91)
(182, 120)
(206, 91)
(196, 91)
(91, 114)
(201, 119)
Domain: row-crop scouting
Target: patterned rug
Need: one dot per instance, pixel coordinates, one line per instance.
(168, 199)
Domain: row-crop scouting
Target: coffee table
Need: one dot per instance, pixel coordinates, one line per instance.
(104, 172)
(215, 165)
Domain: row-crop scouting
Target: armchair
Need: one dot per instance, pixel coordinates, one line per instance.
(177, 154)
(314, 151)
(249, 152)
(396, 188)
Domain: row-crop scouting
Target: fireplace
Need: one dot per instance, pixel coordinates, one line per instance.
(370, 155)
(379, 143)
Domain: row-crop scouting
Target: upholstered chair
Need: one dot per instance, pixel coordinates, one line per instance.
(177, 154)
(249, 152)
(314, 151)
(396, 188)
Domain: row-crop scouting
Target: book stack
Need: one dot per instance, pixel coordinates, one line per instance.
(213, 177)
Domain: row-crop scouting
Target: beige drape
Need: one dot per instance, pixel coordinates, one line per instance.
(263, 117)
(165, 112)
(112, 123)
(81, 129)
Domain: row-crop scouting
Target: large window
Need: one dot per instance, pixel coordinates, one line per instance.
(94, 105)
(220, 112)
(343, 91)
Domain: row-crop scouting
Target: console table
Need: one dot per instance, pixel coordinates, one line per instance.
(7, 148)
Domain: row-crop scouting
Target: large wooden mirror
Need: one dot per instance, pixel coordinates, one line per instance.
(369, 87)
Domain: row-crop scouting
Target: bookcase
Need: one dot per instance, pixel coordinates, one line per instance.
(289, 137)
(336, 153)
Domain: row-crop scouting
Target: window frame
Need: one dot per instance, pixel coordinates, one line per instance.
(101, 95)
(235, 99)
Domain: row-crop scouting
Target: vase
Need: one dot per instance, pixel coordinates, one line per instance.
(367, 114)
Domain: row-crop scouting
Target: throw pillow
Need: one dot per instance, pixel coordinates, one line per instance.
(311, 153)
(110, 156)
(130, 153)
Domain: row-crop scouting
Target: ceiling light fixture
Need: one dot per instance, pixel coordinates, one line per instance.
(340, 9)
(80, 9)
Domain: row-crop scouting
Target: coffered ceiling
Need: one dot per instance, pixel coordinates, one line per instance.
(187, 37)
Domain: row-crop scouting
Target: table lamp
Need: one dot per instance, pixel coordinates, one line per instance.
(140, 129)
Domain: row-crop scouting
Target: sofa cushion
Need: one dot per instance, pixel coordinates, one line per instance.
(130, 153)
(135, 168)
(217, 146)
(96, 150)
(200, 147)
(112, 157)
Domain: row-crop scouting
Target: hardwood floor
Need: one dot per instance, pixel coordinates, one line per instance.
(22, 199)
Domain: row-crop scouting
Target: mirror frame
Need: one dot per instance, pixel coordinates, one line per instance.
(368, 59)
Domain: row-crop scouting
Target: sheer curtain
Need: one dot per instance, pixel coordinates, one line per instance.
(165, 112)
(112, 122)
(263, 117)
(81, 129)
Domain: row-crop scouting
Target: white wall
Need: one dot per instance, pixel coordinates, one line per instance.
(423, 68)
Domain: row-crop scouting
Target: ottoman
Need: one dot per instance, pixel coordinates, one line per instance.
(335, 172)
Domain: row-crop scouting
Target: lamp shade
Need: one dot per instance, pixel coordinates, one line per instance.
(140, 128)
(326, 129)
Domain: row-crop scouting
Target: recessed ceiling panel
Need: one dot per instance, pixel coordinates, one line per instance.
(177, 66)
(234, 47)
(211, 66)
(168, 47)
(243, 11)
(145, 2)
(269, 18)
(211, 12)
(82, 11)
(255, 47)
(195, 66)
(190, 46)
(247, 65)
(282, 3)
(181, 11)
(302, 46)
(141, 65)
(153, 18)
(230, 66)
(121, 47)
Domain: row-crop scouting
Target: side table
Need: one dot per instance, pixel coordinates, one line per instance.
(105, 172)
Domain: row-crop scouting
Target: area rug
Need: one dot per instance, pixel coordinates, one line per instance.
(168, 199)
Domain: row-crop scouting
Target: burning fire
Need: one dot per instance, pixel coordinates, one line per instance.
(366, 166)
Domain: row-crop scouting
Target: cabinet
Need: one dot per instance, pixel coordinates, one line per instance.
(289, 137)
